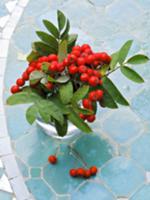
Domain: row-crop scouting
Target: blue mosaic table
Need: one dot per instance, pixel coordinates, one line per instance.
(120, 145)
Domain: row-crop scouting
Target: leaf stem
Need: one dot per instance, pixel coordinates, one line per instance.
(112, 71)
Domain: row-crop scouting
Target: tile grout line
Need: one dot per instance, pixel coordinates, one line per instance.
(16, 180)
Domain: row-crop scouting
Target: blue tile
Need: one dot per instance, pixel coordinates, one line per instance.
(35, 147)
(35, 172)
(143, 193)
(140, 151)
(16, 120)
(128, 127)
(122, 175)
(1, 172)
(40, 190)
(5, 195)
(94, 149)
(140, 104)
(91, 190)
(23, 168)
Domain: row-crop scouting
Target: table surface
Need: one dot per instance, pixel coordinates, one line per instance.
(120, 144)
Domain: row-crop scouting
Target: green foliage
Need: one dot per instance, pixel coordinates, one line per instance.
(61, 20)
(32, 56)
(74, 118)
(62, 50)
(36, 76)
(51, 28)
(62, 129)
(113, 91)
(66, 92)
(31, 114)
(80, 93)
(124, 51)
(72, 38)
(131, 74)
(43, 49)
(114, 61)
(138, 59)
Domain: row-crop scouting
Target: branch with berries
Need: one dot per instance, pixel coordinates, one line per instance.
(65, 82)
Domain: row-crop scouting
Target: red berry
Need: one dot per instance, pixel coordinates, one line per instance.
(60, 67)
(30, 69)
(85, 46)
(93, 170)
(39, 65)
(91, 118)
(82, 69)
(52, 159)
(100, 82)
(73, 69)
(73, 172)
(20, 82)
(49, 85)
(82, 116)
(80, 172)
(14, 89)
(52, 57)
(33, 63)
(81, 61)
(88, 51)
(96, 63)
(87, 173)
(90, 59)
(93, 81)
(53, 66)
(72, 58)
(93, 96)
(87, 103)
(76, 48)
(96, 73)
(43, 59)
(84, 77)
(65, 62)
(76, 53)
(90, 72)
(104, 57)
(25, 76)
(99, 94)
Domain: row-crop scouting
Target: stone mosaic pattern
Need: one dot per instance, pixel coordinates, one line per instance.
(120, 146)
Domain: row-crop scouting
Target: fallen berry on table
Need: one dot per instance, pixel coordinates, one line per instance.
(52, 159)
(93, 170)
(73, 172)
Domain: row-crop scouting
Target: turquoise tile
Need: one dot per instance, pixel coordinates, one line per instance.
(140, 104)
(16, 121)
(5, 195)
(58, 175)
(35, 147)
(23, 168)
(40, 190)
(35, 172)
(128, 127)
(94, 149)
(1, 172)
(140, 151)
(91, 190)
(122, 175)
(142, 194)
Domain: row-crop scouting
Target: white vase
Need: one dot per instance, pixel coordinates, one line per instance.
(72, 134)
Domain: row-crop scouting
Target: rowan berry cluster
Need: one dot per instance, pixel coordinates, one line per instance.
(79, 172)
(83, 67)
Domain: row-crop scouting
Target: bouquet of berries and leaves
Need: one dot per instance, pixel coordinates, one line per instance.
(65, 82)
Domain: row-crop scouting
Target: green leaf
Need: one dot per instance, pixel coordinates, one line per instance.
(51, 28)
(71, 41)
(23, 98)
(35, 77)
(138, 59)
(66, 92)
(61, 20)
(49, 109)
(43, 49)
(31, 114)
(113, 91)
(63, 79)
(107, 101)
(66, 31)
(45, 66)
(48, 39)
(124, 51)
(131, 74)
(80, 93)
(62, 129)
(51, 79)
(78, 122)
(104, 68)
(62, 50)
(114, 60)
(56, 100)
(32, 56)
(79, 110)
